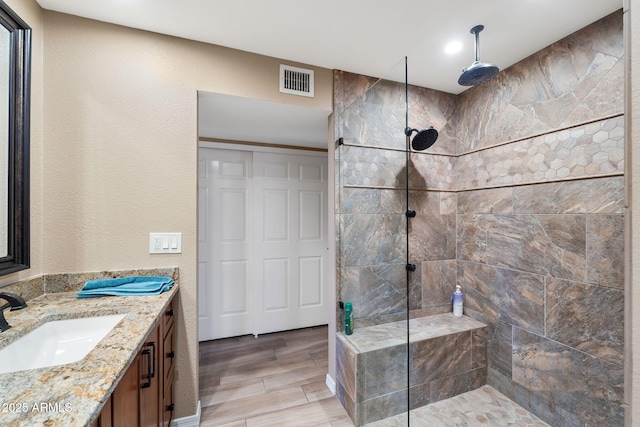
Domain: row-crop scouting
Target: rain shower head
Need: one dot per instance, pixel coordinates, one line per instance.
(478, 72)
(424, 138)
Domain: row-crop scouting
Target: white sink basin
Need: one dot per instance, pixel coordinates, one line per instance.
(56, 343)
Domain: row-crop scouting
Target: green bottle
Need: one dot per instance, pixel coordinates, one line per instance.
(348, 318)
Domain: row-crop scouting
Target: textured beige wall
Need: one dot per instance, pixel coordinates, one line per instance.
(32, 14)
(632, 289)
(119, 154)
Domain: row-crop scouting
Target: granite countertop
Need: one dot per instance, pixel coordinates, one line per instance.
(73, 394)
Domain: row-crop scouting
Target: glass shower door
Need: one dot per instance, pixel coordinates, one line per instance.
(372, 245)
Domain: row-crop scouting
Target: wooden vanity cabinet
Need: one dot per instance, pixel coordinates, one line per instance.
(144, 396)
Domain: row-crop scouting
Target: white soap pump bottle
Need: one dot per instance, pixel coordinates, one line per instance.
(457, 302)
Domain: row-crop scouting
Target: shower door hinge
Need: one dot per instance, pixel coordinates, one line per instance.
(411, 267)
(339, 141)
(410, 214)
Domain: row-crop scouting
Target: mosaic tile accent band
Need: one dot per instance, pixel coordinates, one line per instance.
(590, 150)
(372, 167)
(594, 149)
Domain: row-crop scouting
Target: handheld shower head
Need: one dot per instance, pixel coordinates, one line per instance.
(424, 138)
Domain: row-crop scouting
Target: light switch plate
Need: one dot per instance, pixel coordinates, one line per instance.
(165, 243)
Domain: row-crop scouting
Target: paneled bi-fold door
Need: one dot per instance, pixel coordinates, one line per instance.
(263, 243)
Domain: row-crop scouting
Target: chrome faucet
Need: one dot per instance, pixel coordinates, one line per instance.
(16, 302)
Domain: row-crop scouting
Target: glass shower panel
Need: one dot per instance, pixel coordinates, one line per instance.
(372, 260)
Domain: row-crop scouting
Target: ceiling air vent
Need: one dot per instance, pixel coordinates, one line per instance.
(296, 81)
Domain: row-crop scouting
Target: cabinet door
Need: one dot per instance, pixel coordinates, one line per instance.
(104, 420)
(150, 380)
(168, 405)
(168, 346)
(125, 398)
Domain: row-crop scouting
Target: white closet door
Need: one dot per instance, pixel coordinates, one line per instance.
(262, 242)
(290, 242)
(225, 288)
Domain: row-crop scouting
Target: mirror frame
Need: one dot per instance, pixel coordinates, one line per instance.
(17, 257)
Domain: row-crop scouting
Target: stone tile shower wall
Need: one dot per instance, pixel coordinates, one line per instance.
(521, 202)
(371, 200)
(539, 175)
(370, 203)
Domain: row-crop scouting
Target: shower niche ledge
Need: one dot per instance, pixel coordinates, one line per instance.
(447, 356)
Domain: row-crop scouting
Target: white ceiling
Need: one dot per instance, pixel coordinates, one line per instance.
(361, 36)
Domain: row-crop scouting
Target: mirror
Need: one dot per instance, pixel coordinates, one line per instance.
(15, 76)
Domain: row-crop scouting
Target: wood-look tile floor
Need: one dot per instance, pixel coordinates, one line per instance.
(278, 380)
(273, 380)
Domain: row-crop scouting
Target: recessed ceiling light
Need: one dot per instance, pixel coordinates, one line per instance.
(453, 47)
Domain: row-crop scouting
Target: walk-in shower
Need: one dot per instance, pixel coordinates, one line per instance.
(543, 277)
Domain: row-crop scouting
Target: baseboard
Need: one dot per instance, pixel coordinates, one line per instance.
(331, 384)
(190, 421)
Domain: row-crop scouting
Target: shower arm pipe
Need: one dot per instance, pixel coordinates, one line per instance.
(476, 31)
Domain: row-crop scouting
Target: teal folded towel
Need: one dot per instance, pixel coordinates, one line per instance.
(133, 285)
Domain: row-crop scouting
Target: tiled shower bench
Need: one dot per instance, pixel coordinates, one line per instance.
(447, 357)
